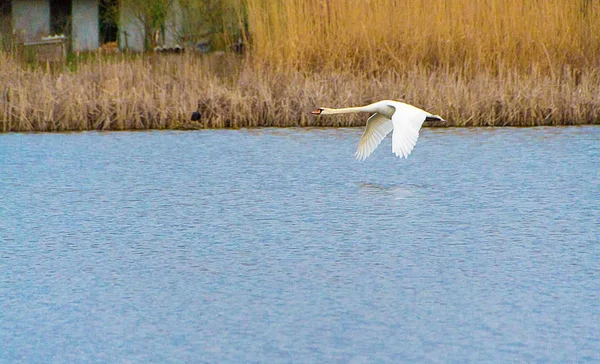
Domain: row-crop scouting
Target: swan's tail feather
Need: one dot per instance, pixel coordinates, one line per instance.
(434, 118)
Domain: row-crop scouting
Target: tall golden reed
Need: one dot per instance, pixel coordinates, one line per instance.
(384, 34)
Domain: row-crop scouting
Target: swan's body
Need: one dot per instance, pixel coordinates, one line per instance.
(404, 119)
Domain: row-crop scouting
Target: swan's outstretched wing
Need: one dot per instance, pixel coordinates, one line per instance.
(407, 122)
(378, 126)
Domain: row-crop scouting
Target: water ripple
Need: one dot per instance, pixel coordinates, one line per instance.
(274, 245)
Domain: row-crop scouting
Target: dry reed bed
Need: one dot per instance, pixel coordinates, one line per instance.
(161, 92)
(494, 62)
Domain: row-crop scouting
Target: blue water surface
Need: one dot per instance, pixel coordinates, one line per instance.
(275, 245)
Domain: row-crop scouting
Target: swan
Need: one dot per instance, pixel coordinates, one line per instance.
(404, 119)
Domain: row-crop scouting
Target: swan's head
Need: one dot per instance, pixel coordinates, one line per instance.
(318, 111)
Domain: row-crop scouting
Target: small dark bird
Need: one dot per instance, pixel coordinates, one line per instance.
(196, 116)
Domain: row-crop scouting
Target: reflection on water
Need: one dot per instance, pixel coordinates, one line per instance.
(274, 245)
(397, 191)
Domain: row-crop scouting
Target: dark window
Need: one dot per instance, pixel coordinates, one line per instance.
(5, 25)
(5, 12)
(60, 17)
(109, 12)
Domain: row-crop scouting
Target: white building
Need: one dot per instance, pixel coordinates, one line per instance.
(81, 21)
(31, 20)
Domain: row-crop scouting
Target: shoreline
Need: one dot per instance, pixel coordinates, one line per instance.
(258, 128)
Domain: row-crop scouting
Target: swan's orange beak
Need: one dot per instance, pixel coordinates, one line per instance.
(316, 112)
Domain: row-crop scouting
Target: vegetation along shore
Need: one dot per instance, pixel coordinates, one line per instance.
(476, 63)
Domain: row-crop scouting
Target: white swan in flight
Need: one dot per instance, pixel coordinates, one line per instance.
(404, 119)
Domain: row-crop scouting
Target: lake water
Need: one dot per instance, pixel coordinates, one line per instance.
(275, 245)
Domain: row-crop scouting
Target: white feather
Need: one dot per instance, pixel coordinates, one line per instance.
(378, 127)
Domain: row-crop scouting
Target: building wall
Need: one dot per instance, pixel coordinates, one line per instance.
(173, 24)
(131, 29)
(31, 19)
(86, 29)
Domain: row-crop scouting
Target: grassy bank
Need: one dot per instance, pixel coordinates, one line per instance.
(513, 62)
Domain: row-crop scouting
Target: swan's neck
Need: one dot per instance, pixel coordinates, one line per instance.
(372, 108)
(345, 110)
